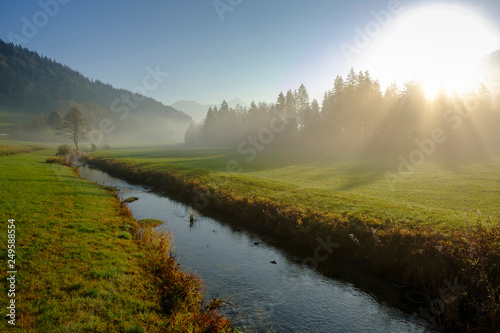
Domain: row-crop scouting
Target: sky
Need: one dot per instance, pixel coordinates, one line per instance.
(215, 50)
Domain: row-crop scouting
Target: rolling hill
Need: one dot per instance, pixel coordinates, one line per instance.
(32, 87)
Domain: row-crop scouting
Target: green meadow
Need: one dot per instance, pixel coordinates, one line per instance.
(72, 271)
(79, 267)
(437, 194)
(436, 224)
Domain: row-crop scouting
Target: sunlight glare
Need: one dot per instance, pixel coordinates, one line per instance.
(439, 46)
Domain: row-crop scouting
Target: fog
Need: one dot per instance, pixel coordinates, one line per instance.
(146, 130)
(137, 130)
(356, 117)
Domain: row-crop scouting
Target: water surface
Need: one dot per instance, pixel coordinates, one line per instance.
(259, 296)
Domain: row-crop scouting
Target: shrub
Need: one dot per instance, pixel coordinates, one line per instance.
(56, 160)
(63, 150)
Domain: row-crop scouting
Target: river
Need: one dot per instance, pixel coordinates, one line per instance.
(263, 288)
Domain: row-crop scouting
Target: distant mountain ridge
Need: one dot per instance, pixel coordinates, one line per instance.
(31, 84)
(198, 111)
(236, 101)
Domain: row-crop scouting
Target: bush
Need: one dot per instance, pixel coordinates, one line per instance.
(63, 150)
(56, 160)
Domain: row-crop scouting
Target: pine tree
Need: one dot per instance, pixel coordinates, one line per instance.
(303, 107)
(281, 106)
(291, 111)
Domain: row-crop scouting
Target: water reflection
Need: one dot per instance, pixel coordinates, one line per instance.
(260, 296)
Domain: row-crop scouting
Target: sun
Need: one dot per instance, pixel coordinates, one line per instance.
(439, 46)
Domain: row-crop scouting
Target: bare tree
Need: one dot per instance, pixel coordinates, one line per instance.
(74, 127)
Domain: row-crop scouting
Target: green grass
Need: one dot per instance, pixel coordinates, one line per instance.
(75, 272)
(78, 267)
(8, 147)
(438, 224)
(437, 194)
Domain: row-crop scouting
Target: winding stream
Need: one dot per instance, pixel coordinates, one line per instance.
(260, 296)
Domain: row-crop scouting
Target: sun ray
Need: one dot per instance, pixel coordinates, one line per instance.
(440, 46)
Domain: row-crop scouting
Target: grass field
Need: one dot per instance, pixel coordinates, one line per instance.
(19, 148)
(437, 224)
(438, 194)
(78, 267)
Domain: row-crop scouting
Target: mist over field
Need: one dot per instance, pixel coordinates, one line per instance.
(355, 117)
(250, 166)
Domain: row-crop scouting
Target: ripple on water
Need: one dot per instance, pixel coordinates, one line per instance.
(288, 296)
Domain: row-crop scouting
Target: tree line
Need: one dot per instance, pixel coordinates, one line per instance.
(356, 115)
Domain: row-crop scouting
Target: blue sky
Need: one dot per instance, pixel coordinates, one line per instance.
(257, 49)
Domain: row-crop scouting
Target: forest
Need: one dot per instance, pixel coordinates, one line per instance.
(356, 116)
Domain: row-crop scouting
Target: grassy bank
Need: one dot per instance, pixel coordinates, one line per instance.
(427, 232)
(7, 148)
(79, 267)
(438, 194)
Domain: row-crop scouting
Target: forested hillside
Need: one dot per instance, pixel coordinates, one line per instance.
(35, 92)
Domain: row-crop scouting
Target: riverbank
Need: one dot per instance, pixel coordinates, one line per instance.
(79, 263)
(259, 296)
(457, 268)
